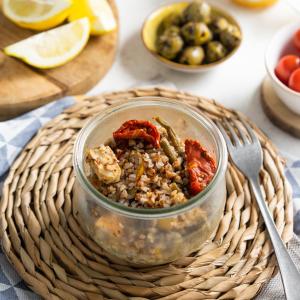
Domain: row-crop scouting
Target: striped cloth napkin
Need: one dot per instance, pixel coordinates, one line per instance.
(15, 134)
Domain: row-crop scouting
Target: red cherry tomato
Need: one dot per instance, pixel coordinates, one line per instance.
(287, 64)
(296, 39)
(294, 81)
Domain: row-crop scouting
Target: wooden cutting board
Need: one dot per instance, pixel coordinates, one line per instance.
(23, 88)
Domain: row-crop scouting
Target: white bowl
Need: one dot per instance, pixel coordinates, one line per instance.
(274, 52)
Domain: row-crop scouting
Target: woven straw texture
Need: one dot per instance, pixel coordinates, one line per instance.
(50, 251)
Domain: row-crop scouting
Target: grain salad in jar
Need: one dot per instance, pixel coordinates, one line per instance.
(150, 190)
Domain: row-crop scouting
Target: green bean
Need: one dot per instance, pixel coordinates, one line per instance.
(171, 134)
(168, 149)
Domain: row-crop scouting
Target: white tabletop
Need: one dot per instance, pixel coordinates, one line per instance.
(235, 84)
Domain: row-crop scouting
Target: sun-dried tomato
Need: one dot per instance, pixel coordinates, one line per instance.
(201, 167)
(136, 129)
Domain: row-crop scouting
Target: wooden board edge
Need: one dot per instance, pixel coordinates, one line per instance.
(277, 119)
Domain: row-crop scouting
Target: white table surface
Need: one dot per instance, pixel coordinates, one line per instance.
(235, 84)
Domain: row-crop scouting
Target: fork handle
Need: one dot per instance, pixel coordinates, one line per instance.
(289, 273)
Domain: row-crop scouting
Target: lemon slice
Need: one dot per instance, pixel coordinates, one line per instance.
(255, 3)
(99, 13)
(54, 47)
(37, 14)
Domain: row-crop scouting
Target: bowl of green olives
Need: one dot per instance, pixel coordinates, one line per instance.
(191, 36)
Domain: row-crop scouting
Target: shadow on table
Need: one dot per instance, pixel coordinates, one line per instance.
(137, 61)
(256, 114)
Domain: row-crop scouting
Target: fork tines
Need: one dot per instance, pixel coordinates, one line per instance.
(237, 132)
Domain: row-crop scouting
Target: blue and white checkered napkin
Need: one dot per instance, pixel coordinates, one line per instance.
(14, 135)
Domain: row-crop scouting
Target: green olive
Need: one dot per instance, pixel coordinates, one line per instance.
(197, 11)
(215, 51)
(196, 33)
(193, 55)
(218, 25)
(172, 30)
(169, 45)
(230, 37)
(173, 19)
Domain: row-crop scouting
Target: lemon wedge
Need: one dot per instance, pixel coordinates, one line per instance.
(54, 47)
(37, 14)
(99, 13)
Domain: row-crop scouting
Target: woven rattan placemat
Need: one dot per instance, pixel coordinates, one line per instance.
(49, 250)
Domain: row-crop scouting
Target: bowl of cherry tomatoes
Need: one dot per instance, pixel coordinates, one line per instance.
(283, 65)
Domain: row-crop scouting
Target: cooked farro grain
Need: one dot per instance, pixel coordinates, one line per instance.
(160, 185)
(149, 176)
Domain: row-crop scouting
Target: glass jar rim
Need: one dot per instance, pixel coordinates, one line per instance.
(146, 213)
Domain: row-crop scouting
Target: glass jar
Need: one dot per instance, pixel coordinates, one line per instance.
(155, 236)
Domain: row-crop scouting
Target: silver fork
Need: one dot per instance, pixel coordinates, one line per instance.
(246, 153)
